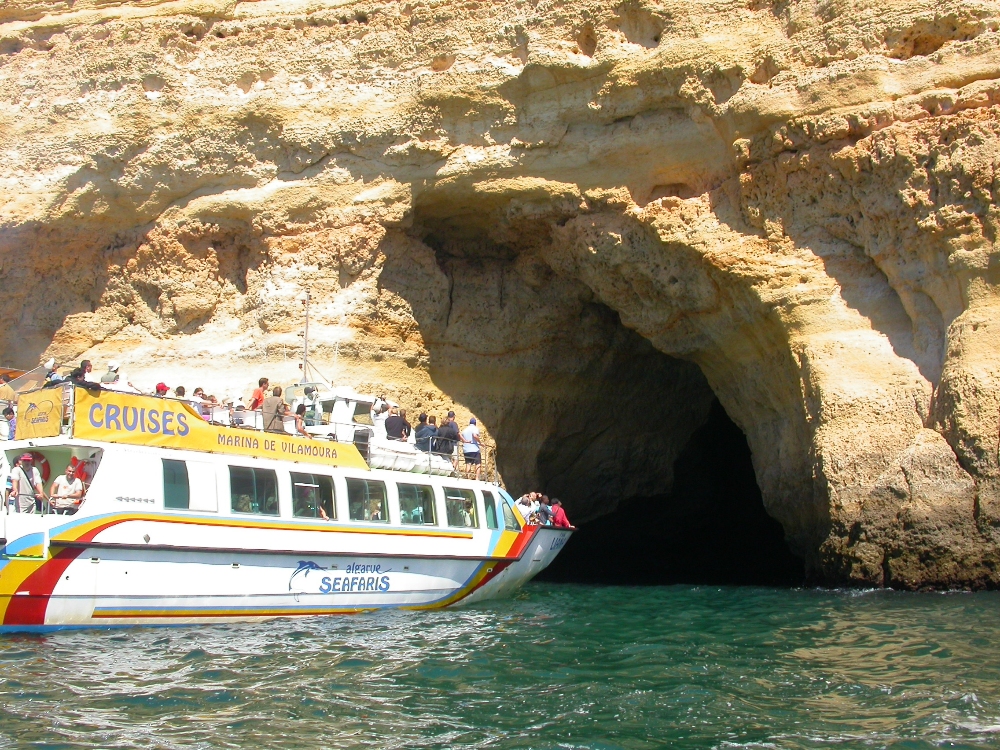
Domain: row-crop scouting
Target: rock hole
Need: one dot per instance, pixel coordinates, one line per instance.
(442, 62)
(672, 190)
(152, 83)
(638, 24)
(586, 40)
(928, 36)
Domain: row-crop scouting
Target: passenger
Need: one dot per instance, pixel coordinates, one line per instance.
(394, 425)
(379, 414)
(8, 498)
(88, 371)
(180, 391)
(470, 446)
(27, 485)
(274, 411)
(559, 515)
(162, 390)
(544, 511)
(257, 399)
(467, 511)
(112, 374)
(78, 376)
(198, 394)
(300, 420)
(8, 414)
(66, 493)
(407, 427)
(425, 432)
(120, 384)
(6, 392)
(453, 436)
(527, 506)
(375, 513)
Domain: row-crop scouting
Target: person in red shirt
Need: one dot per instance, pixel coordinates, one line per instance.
(257, 399)
(559, 515)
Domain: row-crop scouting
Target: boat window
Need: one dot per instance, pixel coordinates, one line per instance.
(253, 490)
(491, 510)
(176, 489)
(366, 500)
(416, 504)
(509, 520)
(312, 496)
(461, 507)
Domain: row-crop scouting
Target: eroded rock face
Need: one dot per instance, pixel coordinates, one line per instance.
(579, 221)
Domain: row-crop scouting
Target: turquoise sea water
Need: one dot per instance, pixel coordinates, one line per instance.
(560, 666)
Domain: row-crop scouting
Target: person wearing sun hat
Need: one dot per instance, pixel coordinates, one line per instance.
(112, 374)
(27, 485)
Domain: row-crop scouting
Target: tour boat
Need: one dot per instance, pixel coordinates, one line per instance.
(189, 521)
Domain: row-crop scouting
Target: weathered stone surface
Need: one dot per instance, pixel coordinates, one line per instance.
(577, 220)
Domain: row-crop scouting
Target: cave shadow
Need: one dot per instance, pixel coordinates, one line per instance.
(711, 528)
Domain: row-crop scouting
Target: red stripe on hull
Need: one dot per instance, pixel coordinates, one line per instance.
(28, 604)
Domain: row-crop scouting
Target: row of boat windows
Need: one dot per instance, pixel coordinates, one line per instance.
(255, 491)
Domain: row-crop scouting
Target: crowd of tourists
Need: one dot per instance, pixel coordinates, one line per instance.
(536, 508)
(443, 437)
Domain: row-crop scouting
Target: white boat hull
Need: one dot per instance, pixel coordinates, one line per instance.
(103, 579)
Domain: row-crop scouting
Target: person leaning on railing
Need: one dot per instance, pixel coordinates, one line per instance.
(425, 433)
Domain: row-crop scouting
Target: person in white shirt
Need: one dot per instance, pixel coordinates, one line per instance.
(470, 446)
(379, 413)
(66, 493)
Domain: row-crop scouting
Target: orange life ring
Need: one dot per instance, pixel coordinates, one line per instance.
(42, 464)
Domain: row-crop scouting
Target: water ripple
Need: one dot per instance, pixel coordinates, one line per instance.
(560, 666)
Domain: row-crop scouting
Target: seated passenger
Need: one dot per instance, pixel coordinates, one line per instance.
(375, 512)
(66, 493)
(425, 433)
(300, 420)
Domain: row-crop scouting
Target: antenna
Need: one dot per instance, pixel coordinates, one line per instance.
(305, 340)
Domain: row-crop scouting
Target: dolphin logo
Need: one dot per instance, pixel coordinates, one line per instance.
(304, 567)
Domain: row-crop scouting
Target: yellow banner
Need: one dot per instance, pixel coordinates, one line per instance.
(39, 413)
(165, 423)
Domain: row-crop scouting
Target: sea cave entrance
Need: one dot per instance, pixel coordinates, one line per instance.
(634, 441)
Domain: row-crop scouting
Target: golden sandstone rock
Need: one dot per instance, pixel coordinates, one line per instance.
(582, 221)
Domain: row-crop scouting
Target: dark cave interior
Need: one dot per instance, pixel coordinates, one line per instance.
(711, 528)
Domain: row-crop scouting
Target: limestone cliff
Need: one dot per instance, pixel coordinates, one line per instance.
(581, 221)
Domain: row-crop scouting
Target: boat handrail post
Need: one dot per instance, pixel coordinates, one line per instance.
(71, 419)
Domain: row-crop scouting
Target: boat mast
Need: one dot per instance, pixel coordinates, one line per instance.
(305, 341)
